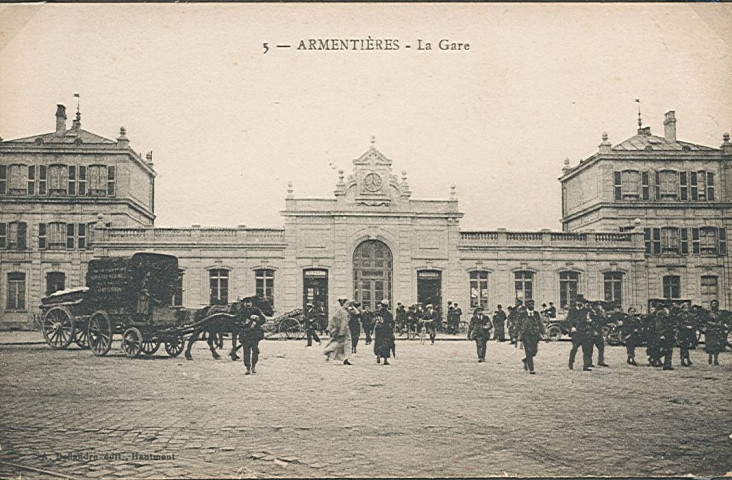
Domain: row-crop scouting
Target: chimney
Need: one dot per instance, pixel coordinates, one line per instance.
(60, 120)
(669, 125)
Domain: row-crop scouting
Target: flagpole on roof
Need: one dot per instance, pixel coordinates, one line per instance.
(640, 122)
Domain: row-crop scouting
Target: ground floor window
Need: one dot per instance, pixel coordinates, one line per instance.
(219, 281)
(478, 289)
(568, 288)
(524, 284)
(709, 289)
(264, 283)
(55, 281)
(613, 282)
(16, 291)
(671, 286)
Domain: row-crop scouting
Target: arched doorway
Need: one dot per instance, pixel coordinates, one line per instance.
(372, 273)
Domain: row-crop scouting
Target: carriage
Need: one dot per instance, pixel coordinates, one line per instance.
(128, 296)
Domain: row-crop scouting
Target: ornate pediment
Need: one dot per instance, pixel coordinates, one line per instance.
(372, 158)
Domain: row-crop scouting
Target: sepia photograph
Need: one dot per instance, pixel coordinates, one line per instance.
(365, 240)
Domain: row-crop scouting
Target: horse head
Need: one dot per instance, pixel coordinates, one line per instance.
(264, 304)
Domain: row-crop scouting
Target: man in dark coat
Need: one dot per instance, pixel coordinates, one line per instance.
(431, 318)
(499, 318)
(367, 321)
(311, 324)
(479, 330)
(250, 334)
(401, 319)
(687, 334)
(580, 324)
(599, 319)
(665, 324)
(530, 331)
(632, 334)
(383, 332)
(456, 319)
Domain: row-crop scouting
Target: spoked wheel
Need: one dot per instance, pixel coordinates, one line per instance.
(149, 347)
(58, 327)
(554, 333)
(132, 342)
(82, 338)
(175, 347)
(99, 334)
(289, 329)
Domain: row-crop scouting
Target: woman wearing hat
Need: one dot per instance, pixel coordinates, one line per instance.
(480, 331)
(384, 332)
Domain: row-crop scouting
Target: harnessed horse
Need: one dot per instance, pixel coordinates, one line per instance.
(219, 319)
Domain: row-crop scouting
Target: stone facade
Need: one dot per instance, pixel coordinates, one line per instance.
(371, 240)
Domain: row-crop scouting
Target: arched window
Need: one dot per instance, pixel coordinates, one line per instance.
(524, 285)
(372, 272)
(55, 281)
(479, 289)
(568, 288)
(264, 283)
(219, 283)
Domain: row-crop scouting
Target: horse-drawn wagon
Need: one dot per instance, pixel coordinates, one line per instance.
(128, 296)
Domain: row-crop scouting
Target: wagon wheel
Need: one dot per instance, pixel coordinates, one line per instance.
(99, 333)
(82, 338)
(58, 327)
(132, 342)
(554, 333)
(150, 346)
(175, 347)
(289, 329)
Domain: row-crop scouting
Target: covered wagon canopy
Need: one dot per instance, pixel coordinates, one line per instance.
(118, 281)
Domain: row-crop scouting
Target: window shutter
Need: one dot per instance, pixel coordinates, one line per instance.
(3, 235)
(722, 241)
(69, 235)
(42, 236)
(22, 231)
(684, 241)
(695, 240)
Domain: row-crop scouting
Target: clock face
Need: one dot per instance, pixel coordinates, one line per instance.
(372, 182)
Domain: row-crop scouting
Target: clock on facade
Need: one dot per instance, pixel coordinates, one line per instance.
(372, 182)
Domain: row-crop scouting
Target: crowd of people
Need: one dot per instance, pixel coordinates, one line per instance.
(667, 326)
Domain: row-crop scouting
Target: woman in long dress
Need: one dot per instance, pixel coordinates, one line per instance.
(339, 332)
(384, 330)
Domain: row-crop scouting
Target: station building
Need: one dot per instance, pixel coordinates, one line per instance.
(69, 196)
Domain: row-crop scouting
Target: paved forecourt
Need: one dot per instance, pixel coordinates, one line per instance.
(434, 411)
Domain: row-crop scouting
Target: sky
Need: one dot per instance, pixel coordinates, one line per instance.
(229, 125)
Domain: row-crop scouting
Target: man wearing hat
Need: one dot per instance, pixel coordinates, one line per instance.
(499, 319)
(430, 319)
(384, 332)
(250, 335)
(480, 331)
(530, 331)
(311, 324)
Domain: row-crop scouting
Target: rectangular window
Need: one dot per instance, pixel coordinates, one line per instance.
(58, 180)
(42, 171)
(684, 241)
(671, 286)
(82, 181)
(72, 180)
(55, 281)
(478, 289)
(722, 241)
(3, 235)
(70, 235)
(684, 185)
(219, 283)
(647, 240)
(568, 288)
(708, 240)
(110, 181)
(709, 289)
(81, 236)
(264, 283)
(18, 181)
(702, 185)
(710, 186)
(16, 236)
(41, 236)
(670, 240)
(97, 180)
(3, 179)
(613, 283)
(618, 186)
(524, 284)
(56, 234)
(656, 241)
(32, 180)
(694, 186)
(645, 186)
(658, 185)
(669, 184)
(631, 184)
(16, 291)
(695, 240)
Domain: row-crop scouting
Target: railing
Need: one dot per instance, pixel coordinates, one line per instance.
(523, 236)
(545, 237)
(613, 237)
(193, 234)
(473, 236)
(571, 237)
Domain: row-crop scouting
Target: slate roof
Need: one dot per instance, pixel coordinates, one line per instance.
(69, 137)
(640, 143)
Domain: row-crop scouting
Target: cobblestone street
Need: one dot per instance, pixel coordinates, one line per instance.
(435, 411)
